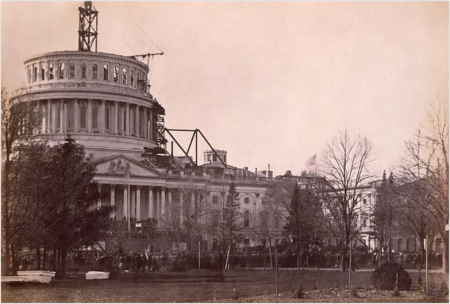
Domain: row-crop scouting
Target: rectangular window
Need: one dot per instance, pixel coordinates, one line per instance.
(105, 72)
(72, 71)
(124, 76)
(215, 199)
(94, 71)
(116, 74)
(51, 72)
(83, 71)
(61, 71)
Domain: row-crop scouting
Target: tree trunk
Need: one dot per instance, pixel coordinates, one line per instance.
(13, 264)
(45, 259)
(63, 263)
(6, 259)
(343, 256)
(270, 254)
(38, 257)
(445, 253)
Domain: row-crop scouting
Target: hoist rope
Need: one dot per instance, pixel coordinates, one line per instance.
(143, 31)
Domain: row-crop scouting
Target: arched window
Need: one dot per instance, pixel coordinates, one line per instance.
(83, 117)
(51, 70)
(94, 71)
(132, 77)
(83, 71)
(107, 118)
(42, 74)
(71, 118)
(105, 72)
(116, 74)
(72, 71)
(61, 71)
(124, 76)
(95, 117)
(246, 218)
(35, 74)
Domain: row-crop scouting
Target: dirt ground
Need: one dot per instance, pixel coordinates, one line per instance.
(251, 286)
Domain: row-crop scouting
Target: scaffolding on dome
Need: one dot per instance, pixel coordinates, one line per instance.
(88, 24)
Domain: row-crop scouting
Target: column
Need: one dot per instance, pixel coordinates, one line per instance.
(181, 207)
(138, 203)
(137, 122)
(145, 123)
(116, 111)
(89, 116)
(163, 201)
(132, 203)
(61, 113)
(42, 111)
(102, 117)
(77, 116)
(120, 122)
(150, 203)
(99, 202)
(49, 115)
(125, 201)
(169, 199)
(128, 120)
(113, 201)
(53, 107)
(150, 125)
(158, 203)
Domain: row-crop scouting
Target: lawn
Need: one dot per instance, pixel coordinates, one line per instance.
(252, 286)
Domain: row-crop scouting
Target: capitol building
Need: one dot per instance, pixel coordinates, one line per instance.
(103, 101)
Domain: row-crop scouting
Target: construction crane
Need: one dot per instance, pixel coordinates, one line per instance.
(148, 55)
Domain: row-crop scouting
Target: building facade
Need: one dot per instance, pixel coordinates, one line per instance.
(103, 101)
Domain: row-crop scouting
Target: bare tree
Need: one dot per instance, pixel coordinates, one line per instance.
(384, 212)
(224, 222)
(20, 158)
(344, 170)
(425, 167)
(267, 226)
(184, 221)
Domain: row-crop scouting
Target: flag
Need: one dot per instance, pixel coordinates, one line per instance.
(312, 161)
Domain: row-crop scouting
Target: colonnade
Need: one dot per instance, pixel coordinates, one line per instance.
(144, 202)
(96, 116)
(136, 201)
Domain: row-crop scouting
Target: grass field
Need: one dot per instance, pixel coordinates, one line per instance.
(253, 286)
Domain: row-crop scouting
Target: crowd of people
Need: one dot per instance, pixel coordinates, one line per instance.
(153, 261)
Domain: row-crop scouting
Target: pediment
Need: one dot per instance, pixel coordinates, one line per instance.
(121, 165)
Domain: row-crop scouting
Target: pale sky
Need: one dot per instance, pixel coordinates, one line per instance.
(270, 82)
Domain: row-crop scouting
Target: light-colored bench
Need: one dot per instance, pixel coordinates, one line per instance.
(97, 275)
(37, 276)
(12, 279)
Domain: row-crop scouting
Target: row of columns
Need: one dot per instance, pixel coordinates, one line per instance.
(112, 118)
(158, 201)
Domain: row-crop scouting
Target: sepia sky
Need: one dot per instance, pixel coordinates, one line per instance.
(270, 82)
